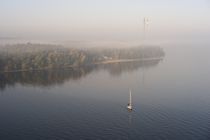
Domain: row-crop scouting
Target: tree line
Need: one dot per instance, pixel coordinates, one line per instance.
(23, 57)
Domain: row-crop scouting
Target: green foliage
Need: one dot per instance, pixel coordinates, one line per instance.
(29, 56)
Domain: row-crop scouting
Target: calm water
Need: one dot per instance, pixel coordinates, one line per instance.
(171, 100)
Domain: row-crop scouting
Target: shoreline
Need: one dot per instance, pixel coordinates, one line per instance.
(127, 60)
(97, 63)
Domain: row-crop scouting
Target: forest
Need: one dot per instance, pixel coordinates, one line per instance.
(25, 57)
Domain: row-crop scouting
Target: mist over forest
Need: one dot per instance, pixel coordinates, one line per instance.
(30, 56)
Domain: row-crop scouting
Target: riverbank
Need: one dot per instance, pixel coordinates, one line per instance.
(97, 63)
(127, 60)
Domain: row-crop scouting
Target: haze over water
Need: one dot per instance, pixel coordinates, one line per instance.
(170, 96)
(69, 21)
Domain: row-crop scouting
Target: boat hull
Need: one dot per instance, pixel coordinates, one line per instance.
(129, 107)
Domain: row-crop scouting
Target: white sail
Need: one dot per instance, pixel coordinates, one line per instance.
(130, 99)
(130, 102)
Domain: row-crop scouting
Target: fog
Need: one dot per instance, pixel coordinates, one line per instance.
(103, 23)
(66, 68)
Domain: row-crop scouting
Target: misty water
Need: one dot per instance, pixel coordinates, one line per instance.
(170, 99)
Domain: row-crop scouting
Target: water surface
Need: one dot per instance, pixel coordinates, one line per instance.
(170, 98)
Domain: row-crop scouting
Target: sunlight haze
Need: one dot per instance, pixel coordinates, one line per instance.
(102, 20)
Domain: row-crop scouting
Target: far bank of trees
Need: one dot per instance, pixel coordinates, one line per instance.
(43, 56)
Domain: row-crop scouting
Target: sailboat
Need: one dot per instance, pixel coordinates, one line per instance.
(129, 106)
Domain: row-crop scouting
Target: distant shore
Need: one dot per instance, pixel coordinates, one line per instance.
(127, 60)
(97, 63)
(36, 57)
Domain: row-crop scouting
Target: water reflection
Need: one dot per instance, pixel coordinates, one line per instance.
(129, 118)
(116, 69)
(46, 78)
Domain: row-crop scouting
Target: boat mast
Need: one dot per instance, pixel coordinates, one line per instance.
(130, 99)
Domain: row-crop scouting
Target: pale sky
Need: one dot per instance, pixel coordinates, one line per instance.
(83, 19)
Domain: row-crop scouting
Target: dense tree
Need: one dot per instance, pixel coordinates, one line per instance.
(43, 56)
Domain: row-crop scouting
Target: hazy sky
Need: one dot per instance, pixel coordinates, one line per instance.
(74, 19)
